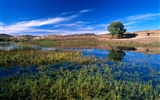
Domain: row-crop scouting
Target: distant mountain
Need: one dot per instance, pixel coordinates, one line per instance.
(4, 36)
(22, 38)
(28, 36)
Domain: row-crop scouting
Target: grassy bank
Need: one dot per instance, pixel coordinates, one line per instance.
(27, 56)
(88, 43)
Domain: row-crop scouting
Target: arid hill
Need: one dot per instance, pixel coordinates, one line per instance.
(146, 36)
(148, 33)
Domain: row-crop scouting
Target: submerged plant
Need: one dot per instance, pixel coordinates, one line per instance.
(67, 75)
(87, 82)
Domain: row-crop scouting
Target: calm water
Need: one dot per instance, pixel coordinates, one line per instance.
(114, 57)
(119, 56)
(12, 45)
(8, 45)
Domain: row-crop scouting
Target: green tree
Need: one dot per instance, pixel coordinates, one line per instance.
(116, 28)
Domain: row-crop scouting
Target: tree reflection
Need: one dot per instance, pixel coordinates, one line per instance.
(116, 55)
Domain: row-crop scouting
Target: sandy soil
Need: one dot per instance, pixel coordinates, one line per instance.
(141, 38)
(138, 39)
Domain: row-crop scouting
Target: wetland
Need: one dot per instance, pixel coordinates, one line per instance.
(37, 71)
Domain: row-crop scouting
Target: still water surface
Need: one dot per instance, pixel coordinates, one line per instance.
(114, 57)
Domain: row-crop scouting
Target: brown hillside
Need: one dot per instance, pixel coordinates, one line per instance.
(141, 37)
(148, 33)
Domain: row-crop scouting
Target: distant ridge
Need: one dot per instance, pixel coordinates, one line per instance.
(4, 36)
(28, 36)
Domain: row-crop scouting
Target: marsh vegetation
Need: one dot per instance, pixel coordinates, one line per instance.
(79, 82)
(27, 56)
(87, 42)
(72, 74)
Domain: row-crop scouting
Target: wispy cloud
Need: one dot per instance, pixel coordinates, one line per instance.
(81, 27)
(65, 13)
(89, 28)
(87, 10)
(41, 22)
(34, 25)
(138, 20)
(72, 12)
(66, 32)
(102, 25)
(128, 23)
(75, 24)
(143, 17)
(30, 26)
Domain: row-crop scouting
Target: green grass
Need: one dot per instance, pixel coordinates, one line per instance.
(27, 56)
(89, 82)
(75, 77)
(45, 42)
(88, 44)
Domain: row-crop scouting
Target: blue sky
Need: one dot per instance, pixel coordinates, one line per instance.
(44, 17)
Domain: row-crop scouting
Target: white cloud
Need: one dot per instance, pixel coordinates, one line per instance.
(65, 13)
(102, 32)
(1, 27)
(136, 20)
(41, 22)
(87, 10)
(82, 11)
(128, 23)
(75, 24)
(77, 13)
(82, 22)
(80, 27)
(66, 32)
(66, 25)
(90, 28)
(143, 17)
(33, 26)
(30, 26)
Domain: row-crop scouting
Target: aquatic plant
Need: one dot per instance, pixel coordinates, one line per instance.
(32, 56)
(67, 75)
(88, 82)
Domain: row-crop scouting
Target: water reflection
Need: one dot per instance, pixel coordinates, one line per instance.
(12, 45)
(126, 48)
(7, 45)
(116, 55)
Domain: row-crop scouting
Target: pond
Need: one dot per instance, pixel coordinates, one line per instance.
(129, 57)
(95, 72)
(13, 45)
(8, 45)
(121, 55)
